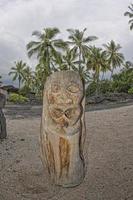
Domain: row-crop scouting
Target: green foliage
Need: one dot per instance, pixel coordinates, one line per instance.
(123, 81)
(91, 62)
(27, 76)
(91, 89)
(16, 98)
(79, 46)
(97, 63)
(46, 48)
(114, 57)
(17, 71)
(130, 91)
(130, 15)
(105, 86)
(23, 74)
(54, 54)
(24, 91)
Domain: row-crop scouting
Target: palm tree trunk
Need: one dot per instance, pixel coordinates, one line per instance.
(47, 63)
(19, 82)
(79, 60)
(103, 76)
(112, 71)
(97, 83)
(97, 88)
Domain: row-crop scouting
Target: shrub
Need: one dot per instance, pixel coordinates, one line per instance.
(91, 89)
(123, 81)
(24, 91)
(121, 86)
(106, 86)
(16, 98)
(130, 91)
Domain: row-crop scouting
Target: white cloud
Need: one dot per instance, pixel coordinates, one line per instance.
(19, 18)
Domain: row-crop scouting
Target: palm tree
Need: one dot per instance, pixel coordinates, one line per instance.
(115, 59)
(97, 62)
(17, 71)
(80, 44)
(68, 60)
(130, 15)
(40, 76)
(104, 68)
(128, 65)
(28, 77)
(45, 47)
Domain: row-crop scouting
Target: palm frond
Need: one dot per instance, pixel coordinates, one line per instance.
(60, 44)
(128, 14)
(37, 33)
(89, 39)
(131, 26)
(51, 32)
(32, 44)
(71, 31)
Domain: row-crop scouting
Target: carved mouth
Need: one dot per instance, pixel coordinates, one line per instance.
(63, 116)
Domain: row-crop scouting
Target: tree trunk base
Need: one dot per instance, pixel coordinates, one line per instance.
(3, 133)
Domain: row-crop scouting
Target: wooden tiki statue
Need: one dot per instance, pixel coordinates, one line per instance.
(3, 133)
(63, 128)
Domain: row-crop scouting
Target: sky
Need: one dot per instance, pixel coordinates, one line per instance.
(19, 18)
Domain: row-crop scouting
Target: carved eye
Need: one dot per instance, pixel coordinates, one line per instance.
(73, 88)
(55, 88)
(57, 113)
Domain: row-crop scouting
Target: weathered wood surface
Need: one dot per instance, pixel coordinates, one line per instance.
(63, 128)
(2, 101)
(3, 133)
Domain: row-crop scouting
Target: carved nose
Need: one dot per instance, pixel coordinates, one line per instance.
(64, 123)
(69, 101)
(63, 99)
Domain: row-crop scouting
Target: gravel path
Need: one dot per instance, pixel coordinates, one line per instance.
(108, 151)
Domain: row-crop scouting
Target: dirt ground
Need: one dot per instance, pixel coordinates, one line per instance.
(108, 152)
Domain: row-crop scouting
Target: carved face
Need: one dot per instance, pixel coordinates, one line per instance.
(64, 95)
